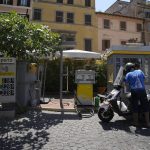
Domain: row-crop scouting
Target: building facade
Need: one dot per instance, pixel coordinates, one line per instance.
(75, 20)
(116, 29)
(134, 8)
(22, 7)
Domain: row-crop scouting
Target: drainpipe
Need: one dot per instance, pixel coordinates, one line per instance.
(143, 33)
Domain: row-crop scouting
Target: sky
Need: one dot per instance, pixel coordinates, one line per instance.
(102, 5)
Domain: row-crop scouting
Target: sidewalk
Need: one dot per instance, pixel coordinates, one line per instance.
(54, 105)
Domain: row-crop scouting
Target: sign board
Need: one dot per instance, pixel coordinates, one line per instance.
(85, 76)
(7, 80)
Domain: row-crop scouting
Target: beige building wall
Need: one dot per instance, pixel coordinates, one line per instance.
(134, 8)
(114, 34)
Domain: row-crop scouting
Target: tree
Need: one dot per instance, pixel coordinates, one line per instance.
(25, 40)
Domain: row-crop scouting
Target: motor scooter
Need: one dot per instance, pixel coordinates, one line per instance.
(116, 101)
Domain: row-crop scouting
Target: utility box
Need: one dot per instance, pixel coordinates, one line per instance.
(7, 87)
(85, 80)
(26, 84)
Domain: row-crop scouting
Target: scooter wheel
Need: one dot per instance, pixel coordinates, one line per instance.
(105, 115)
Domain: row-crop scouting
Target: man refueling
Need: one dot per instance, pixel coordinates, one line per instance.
(135, 79)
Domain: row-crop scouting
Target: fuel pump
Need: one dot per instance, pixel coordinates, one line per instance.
(84, 92)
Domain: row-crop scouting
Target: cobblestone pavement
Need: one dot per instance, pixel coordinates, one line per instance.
(66, 131)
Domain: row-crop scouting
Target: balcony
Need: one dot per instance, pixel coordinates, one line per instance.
(69, 43)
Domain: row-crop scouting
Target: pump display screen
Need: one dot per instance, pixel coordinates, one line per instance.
(85, 76)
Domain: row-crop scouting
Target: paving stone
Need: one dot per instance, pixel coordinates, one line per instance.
(66, 131)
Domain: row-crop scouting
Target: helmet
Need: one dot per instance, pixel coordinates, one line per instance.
(129, 66)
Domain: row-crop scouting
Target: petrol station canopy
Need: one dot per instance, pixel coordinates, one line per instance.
(74, 54)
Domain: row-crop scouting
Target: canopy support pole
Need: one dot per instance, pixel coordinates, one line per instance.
(61, 78)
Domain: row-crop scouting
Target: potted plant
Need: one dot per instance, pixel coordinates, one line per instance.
(101, 77)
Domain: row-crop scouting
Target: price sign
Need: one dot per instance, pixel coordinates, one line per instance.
(85, 76)
(7, 80)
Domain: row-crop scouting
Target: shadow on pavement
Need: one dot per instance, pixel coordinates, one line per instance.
(30, 131)
(126, 126)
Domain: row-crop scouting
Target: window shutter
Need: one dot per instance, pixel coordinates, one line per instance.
(28, 3)
(11, 2)
(18, 3)
(88, 44)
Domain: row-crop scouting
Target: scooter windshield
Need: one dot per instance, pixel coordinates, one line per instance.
(113, 94)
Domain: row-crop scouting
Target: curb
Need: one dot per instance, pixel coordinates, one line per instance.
(58, 109)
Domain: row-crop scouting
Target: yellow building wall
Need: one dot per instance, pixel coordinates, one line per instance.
(82, 31)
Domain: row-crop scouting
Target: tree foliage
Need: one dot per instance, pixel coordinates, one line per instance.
(25, 40)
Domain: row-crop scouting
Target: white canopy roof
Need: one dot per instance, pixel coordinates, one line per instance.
(81, 54)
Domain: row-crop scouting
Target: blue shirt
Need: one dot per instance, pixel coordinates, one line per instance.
(135, 80)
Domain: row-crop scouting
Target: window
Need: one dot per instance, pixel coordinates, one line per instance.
(87, 3)
(105, 44)
(69, 48)
(123, 42)
(70, 18)
(87, 19)
(23, 3)
(37, 14)
(68, 37)
(123, 25)
(59, 16)
(88, 44)
(147, 14)
(106, 24)
(70, 2)
(133, 60)
(7, 2)
(139, 27)
(59, 1)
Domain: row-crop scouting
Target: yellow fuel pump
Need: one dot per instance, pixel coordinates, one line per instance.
(84, 95)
